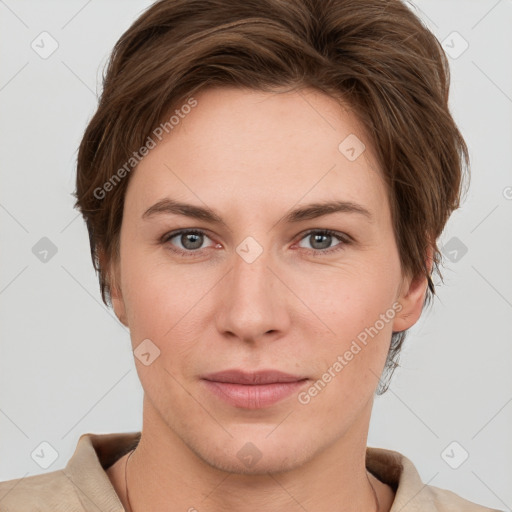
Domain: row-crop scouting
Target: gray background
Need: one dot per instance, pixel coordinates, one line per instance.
(66, 366)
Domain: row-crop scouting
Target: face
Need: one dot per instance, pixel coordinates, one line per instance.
(250, 277)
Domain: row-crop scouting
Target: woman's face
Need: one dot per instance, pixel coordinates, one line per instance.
(258, 285)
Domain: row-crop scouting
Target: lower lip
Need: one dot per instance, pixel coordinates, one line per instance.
(256, 396)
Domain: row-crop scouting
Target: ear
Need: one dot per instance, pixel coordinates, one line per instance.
(412, 298)
(112, 272)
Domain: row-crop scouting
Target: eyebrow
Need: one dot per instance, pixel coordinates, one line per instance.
(312, 211)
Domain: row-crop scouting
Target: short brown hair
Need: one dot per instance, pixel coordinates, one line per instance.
(374, 54)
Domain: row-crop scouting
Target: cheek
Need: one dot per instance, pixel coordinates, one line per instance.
(350, 298)
(163, 299)
(355, 308)
(349, 360)
(160, 304)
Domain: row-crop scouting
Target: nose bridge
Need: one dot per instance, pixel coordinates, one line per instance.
(251, 303)
(250, 273)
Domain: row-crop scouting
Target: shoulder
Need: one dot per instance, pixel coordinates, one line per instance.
(448, 501)
(411, 493)
(49, 491)
(81, 486)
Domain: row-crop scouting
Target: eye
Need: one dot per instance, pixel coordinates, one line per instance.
(321, 240)
(190, 241)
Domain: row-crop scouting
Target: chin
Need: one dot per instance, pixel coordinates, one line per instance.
(253, 451)
(268, 463)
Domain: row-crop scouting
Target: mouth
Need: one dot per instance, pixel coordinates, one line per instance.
(253, 390)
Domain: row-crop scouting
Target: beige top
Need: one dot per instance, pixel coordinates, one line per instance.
(83, 485)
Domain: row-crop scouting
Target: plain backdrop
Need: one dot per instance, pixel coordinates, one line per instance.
(66, 366)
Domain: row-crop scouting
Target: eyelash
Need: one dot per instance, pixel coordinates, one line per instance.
(344, 239)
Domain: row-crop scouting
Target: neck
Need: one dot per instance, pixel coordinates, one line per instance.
(335, 479)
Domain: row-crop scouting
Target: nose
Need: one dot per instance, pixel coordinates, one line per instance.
(253, 303)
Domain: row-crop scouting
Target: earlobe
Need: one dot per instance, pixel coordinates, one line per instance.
(115, 291)
(118, 305)
(412, 298)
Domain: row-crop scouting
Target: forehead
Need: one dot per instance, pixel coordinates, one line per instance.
(261, 148)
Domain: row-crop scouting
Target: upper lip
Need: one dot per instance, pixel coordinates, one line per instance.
(258, 377)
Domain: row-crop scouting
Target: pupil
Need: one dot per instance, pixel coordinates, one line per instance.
(189, 237)
(327, 241)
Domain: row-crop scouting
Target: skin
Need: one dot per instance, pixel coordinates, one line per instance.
(252, 157)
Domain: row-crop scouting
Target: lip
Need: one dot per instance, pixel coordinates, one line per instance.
(253, 390)
(236, 376)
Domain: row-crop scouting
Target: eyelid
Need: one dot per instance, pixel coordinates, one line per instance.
(344, 238)
(172, 234)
